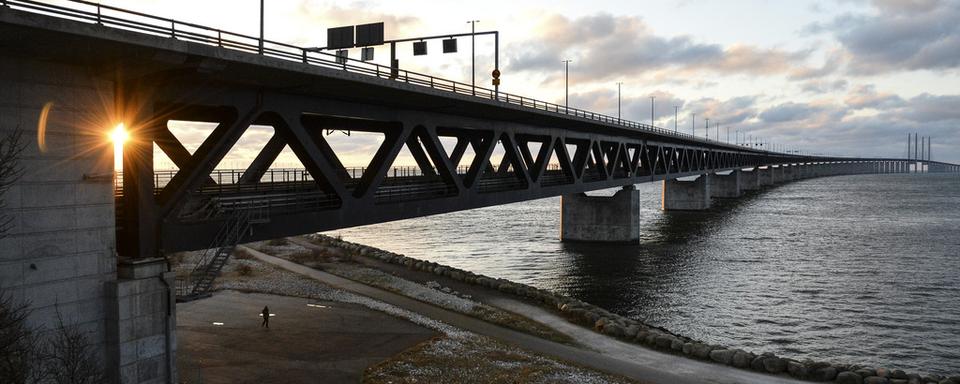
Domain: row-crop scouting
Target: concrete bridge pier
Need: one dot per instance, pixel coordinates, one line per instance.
(766, 176)
(750, 179)
(788, 173)
(614, 219)
(725, 186)
(686, 195)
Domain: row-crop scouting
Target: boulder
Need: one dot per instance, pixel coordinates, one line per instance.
(701, 351)
(742, 359)
(821, 372)
(883, 372)
(757, 363)
(797, 369)
(614, 330)
(664, 341)
(599, 324)
(898, 374)
(866, 372)
(774, 364)
(898, 381)
(722, 356)
(688, 349)
(676, 345)
(876, 380)
(849, 378)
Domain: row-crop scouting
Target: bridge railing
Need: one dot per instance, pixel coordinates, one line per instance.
(113, 17)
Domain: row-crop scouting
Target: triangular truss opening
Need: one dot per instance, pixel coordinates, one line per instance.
(419, 171)
(190, 134)
(595, 165)
(559, 168)
(503, 170)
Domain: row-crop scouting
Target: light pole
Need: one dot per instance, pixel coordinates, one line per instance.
(261, 27)
(676, 112)
(652, 98)
(718, 131)
(473, 54)
(566, 65)
(707, 126)
(693, 124)
(618, 100)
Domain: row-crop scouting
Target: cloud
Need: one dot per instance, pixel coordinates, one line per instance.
(866, 96)
(823, 87)
(788, 111)
(926, 108)
(902, 35)
(603, 46)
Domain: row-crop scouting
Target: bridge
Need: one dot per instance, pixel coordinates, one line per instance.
(98, 66)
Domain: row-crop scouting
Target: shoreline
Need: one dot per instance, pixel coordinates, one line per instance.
(636, 332)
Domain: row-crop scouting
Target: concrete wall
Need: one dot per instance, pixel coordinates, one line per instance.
(60, 254)
(599, 218)
(683, 195)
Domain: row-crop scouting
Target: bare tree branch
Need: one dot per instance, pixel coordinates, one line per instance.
(11, 147)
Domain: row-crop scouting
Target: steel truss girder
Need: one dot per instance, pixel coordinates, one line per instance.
(598, 161)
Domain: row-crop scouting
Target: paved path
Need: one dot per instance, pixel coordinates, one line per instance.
(638, 363)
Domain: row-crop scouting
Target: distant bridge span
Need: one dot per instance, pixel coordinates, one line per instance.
(166, 70)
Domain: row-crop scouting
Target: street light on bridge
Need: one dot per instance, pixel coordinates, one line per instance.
(618, 99)
(566, 65)
(676, 112)
(652, 98)
(473, 54)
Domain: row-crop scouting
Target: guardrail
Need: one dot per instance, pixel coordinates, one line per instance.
(113, 17)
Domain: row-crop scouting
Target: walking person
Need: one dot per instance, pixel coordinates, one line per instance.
(266, 317)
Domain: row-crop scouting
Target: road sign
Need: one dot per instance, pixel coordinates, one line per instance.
(340, 37)
(449, 45)
(370, 34)
(419, 48)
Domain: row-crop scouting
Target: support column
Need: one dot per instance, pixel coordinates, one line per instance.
(788, 173)
(725, 186)
(692, 195)
(766, 176)
(614, 219)
(141, 327)
(750, 180)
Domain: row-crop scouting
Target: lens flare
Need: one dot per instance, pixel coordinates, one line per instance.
(119, 136)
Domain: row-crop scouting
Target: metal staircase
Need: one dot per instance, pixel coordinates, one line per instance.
(234, 230)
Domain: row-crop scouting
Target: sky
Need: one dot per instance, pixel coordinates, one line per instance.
(847, 77)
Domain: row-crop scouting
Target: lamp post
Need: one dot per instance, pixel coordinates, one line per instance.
(707, 129)
(566, 65)
(652, 98)
(619, 84)
(261, 27)
(676, 112)
(473, 54)
(693, 124)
